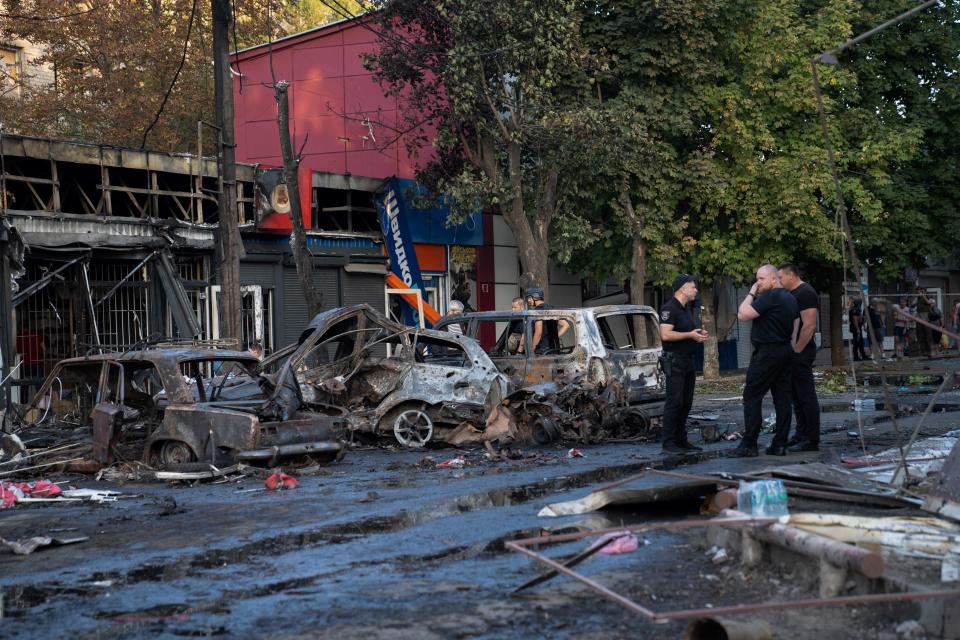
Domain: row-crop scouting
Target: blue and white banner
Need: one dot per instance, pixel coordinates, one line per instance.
(394, 219)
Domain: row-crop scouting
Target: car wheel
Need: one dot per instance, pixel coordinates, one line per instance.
(413, 428)
(544, 430)
(175, 452)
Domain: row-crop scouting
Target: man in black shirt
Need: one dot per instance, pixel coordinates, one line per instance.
(806, 407)
(680, 337)
(775, 317)
(546, 333)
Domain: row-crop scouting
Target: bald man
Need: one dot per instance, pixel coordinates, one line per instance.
(776, 318)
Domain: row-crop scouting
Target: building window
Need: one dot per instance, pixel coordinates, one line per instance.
(9, 70)
(345, 210)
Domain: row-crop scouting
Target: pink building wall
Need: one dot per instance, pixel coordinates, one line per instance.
(331, 95)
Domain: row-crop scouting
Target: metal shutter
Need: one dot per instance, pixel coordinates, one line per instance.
(292, 319)
(361, 288)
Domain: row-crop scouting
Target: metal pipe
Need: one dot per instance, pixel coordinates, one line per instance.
(519, 546)
(124, 279)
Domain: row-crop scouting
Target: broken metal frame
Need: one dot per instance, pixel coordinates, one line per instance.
(794, 487)
(521, 546)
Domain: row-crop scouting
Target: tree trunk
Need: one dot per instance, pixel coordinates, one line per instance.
(638, 270)
(836, 317)
(534, 252)
(298, 235)
(638, 281)
(231, 247)
(711, 353)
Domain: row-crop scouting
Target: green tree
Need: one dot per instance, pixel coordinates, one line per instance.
(115, 61)
(497, 80)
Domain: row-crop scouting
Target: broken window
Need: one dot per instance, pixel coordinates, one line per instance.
(445, 353)
(344, 210)
(68, 396)
(510, 335)
(335, 344)
(629, 331)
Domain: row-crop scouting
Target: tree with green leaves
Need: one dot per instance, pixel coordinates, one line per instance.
(497, 80)
(127, 73)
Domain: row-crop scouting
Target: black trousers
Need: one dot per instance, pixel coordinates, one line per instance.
(681, 379)
(806, 407)
(769, 370)
(858, 352)
(923, 337)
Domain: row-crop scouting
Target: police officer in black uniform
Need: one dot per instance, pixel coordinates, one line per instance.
(776, 318)
(680, 337)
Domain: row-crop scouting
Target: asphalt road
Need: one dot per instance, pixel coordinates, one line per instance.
(381, 545)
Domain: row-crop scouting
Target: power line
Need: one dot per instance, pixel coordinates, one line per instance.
(183, 59)
(37, 18)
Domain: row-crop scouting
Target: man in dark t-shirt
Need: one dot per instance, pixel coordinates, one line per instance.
(546, 333)
(775, 317)
(806, 407)
(680, 337)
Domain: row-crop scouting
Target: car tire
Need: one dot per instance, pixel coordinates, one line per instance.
(173, 452)
(544, 430)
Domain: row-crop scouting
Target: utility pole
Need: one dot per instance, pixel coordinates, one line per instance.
(298, 238)
(231, 248)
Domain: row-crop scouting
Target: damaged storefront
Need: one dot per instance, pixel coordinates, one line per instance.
(119, 248)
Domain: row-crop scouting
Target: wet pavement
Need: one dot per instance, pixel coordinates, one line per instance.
(381, 545)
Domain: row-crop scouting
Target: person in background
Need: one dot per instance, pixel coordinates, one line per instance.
(923, 331)
(936, 318)
(875, 331)
(546, 333)
(899, 328)
(515, 330)
(955, 324)
(454, 308)
(855, 317)
(256, 350)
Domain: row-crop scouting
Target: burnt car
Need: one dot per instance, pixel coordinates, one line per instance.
(599, 378)
(414, 384)
(168, 407)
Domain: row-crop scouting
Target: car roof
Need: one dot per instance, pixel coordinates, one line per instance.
(164, 355)
(596, 311)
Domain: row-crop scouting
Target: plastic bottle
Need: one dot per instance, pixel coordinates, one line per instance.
(762, 499)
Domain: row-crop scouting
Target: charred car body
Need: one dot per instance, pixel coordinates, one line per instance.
(598, 379)
(167, 406)
(414, 384)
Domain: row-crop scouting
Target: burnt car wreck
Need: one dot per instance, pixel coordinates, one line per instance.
(167, 408)
(597, 379)
(414, 385)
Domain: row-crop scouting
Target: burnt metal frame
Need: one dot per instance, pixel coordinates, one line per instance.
(520, 546)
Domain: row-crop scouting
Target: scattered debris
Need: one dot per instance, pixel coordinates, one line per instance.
(279, 481)
(616, 542)
(575, 453)
(26, 546)
(601, 382)
(453, 463)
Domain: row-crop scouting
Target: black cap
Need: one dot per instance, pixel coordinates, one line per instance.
(535, 292)
(681, 280)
